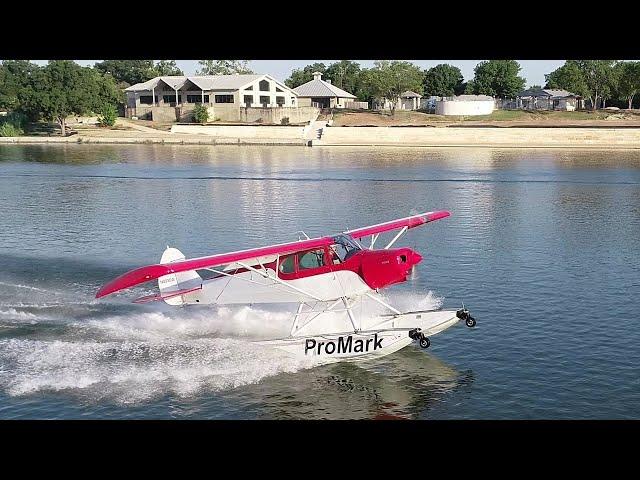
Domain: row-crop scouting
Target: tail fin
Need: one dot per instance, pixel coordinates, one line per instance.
(176, 281)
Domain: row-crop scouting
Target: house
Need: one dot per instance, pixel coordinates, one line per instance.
(406, 101)
(227, 97)
(322, 94)
(548, 99)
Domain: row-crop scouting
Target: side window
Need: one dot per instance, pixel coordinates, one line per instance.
(287, 264)
(312, 259)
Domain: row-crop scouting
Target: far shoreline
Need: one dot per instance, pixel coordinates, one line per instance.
(604, 137)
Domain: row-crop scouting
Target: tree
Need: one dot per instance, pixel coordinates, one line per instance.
(304, 75)
(568, 77)
(64, 88)
(345, 75)
(443, 81)
(592, 79)
(629, 83)
(599, 78)
(14, 76)
(224, 67)
(167, 68)
(390, 78)
(498, 78)
(128, 71)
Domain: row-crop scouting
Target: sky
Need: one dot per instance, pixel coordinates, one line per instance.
(532, 70)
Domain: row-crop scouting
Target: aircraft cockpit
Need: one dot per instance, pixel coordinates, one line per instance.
(343, 248)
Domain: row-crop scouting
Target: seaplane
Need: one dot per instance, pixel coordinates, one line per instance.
(329, 278)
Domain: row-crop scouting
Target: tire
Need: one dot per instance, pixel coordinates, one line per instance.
(471, 322)
(425, 342)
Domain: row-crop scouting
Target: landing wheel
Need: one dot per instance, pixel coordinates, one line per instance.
(471, 322)
(425, 342)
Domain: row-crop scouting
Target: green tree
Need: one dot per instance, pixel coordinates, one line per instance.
(345, 75)
(592, 79)
(166, 68)
(14, 76)
(629, 83)
(443, 80)
(224, 67)
(498, 78)
(568, 77)
(128, 71)
(390, 78)
(64, 88)
(301, 76)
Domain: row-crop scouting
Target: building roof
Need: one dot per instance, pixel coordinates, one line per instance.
(410, 94)
(204, 82)
(320, 88)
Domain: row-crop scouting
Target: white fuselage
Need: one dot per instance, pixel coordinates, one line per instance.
(252, 287)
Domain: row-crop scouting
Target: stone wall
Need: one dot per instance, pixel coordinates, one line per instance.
(244, 132)
(275, 115)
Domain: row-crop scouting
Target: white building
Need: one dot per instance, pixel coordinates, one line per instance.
(322, 94)
(409, 100)
(465, 105)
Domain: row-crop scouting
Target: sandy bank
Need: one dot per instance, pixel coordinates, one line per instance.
(514, 137)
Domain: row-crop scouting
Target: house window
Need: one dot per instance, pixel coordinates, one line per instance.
(264, 100)
(278, 89)
(249, 88)
(264, 86)
(146, 99)
(171, 98)
(224, 98)
(248, 100)
(197, 99)
(280, 101)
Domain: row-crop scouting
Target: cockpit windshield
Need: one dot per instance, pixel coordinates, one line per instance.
(344, 247)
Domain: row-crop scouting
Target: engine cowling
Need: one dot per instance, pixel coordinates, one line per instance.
(380, 268)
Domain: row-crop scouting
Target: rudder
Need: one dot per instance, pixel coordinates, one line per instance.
(176, 281)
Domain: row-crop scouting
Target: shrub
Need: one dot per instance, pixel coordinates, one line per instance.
(108, 115)
(284, 121)
(200, 114)
(10, 130)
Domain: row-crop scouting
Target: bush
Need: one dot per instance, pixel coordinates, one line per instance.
(13, 125)
(284, 121)
(108, 115)
(200, 114)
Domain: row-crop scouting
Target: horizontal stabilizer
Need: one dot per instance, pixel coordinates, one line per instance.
(155, 298)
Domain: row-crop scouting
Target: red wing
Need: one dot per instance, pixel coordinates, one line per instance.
(152, 272)
(409, 222)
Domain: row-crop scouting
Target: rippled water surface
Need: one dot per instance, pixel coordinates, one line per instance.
(542, 246)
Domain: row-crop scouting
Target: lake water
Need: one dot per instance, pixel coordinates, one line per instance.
(542, 246)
